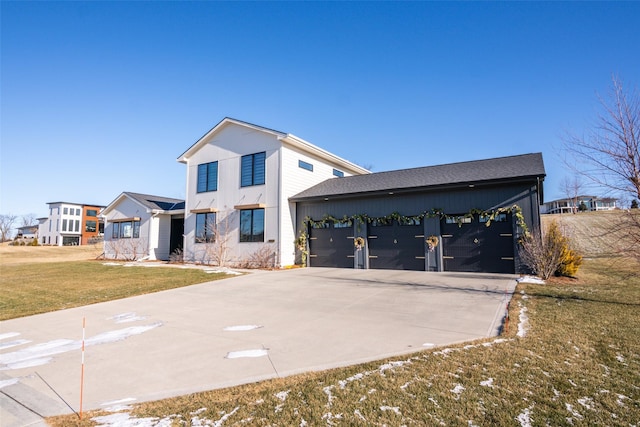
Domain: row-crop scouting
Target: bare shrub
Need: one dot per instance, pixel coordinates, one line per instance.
(263, 257)
(125, 249)
(550, 253)
(177, 256)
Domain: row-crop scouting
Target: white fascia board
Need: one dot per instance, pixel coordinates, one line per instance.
(161, 211)
(118, 199)
(310, 148)
(199, 143)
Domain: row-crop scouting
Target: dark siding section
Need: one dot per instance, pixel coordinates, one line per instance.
(454, 201)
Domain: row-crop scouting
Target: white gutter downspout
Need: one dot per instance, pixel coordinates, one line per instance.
(279, 209)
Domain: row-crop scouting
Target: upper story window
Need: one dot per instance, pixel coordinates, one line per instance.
(252, 225)
(65, 211)
(252, 169)
(92, 212)
(77, 212)
(304, 165)
(338, 173)
(205, 227)
(207, 177)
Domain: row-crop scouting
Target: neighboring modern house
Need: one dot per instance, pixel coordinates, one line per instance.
(470, 212)
(580, 203)
(239, 180)
(70, 224)
(27, 232)
(142, 226)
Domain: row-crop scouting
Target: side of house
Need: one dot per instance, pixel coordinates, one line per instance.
(141, 226)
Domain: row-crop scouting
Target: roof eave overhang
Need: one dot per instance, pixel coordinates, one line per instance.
(430, 188)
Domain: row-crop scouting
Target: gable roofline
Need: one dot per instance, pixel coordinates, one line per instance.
(148, 202)
(221, 124)
(518, 168)
(283, 137)
(91, 205)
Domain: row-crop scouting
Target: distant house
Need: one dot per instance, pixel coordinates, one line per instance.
(27, 232)
(70, 224)
(143, 226)
(581, 203)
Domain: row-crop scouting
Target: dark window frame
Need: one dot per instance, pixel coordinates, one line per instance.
(305, 165)
(207, 179)
(205, 232)
(252, 225)
(253, 169)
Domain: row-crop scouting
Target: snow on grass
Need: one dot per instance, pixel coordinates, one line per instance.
(487, 383)
(126, 420)
(523, 324)
(246, 353)
(586, 402)
(394, 409)
(531, 279)
(118, 405)
(524, 418)
(457, 390)
(240, 328)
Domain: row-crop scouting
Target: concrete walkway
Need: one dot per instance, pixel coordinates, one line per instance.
(234, 331)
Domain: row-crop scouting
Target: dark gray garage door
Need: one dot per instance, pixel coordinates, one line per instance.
(397, 246)
(469, 245)
(331, 245)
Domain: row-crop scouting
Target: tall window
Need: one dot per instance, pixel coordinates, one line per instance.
(65, 211)
(252, 225)
(115, 231)
(205, 227)
(90, 226)
(207, 177)
(252, 169)
(64, 225)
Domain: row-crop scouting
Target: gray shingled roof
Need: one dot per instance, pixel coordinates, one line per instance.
(157, 202)
(473, 172)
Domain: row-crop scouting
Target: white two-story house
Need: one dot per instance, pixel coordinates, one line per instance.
(239, 180)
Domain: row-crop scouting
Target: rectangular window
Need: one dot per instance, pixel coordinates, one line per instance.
(338, 173)
(252, 169)
(458, 220)
(77, 225)
(252, 225)
(136, 229)
(65, 211)
(207, 177)
(64, 225)
(115, 232)
(90, 226)
(126, 229)
(92, 212)
(205, 227)
(305, 165)
(77, 213)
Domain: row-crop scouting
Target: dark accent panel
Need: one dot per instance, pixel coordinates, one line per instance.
(396, 247)
(177, 230)
(474, 247)
(331, 247)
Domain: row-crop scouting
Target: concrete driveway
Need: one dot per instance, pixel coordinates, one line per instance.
(234, 331)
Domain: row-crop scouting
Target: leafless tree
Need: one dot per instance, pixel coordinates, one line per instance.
(29, 219)
(6, 225)
(609, 154)
(217, 248)
(571, 187)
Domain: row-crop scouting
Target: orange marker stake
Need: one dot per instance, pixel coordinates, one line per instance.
(82, 368)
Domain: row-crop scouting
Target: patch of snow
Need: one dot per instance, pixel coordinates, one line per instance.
(126, 318)
(7, 383)
(405, 385)
(620, 358)
(224, 418)
(531, 279)
(573, 412)
(124, 419)
(395, 409)
(358, 376)
(327, 391)
(435, 402)
(621, 398)
(303, 423)
(111, 263)
(246, 353)
(487, 383)
(572, 383)
(524, 418)
(458, 389)
(240, 328)
(14, 343)
(359, 415)
(428, 345)
(39, 354)
(9, 335)
(523, 324)
(587, 402)
(282, 395)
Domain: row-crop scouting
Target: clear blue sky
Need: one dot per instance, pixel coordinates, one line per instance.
(102, 97)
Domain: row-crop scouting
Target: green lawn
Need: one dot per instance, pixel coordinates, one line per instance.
(32, 288)
(570, 356)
